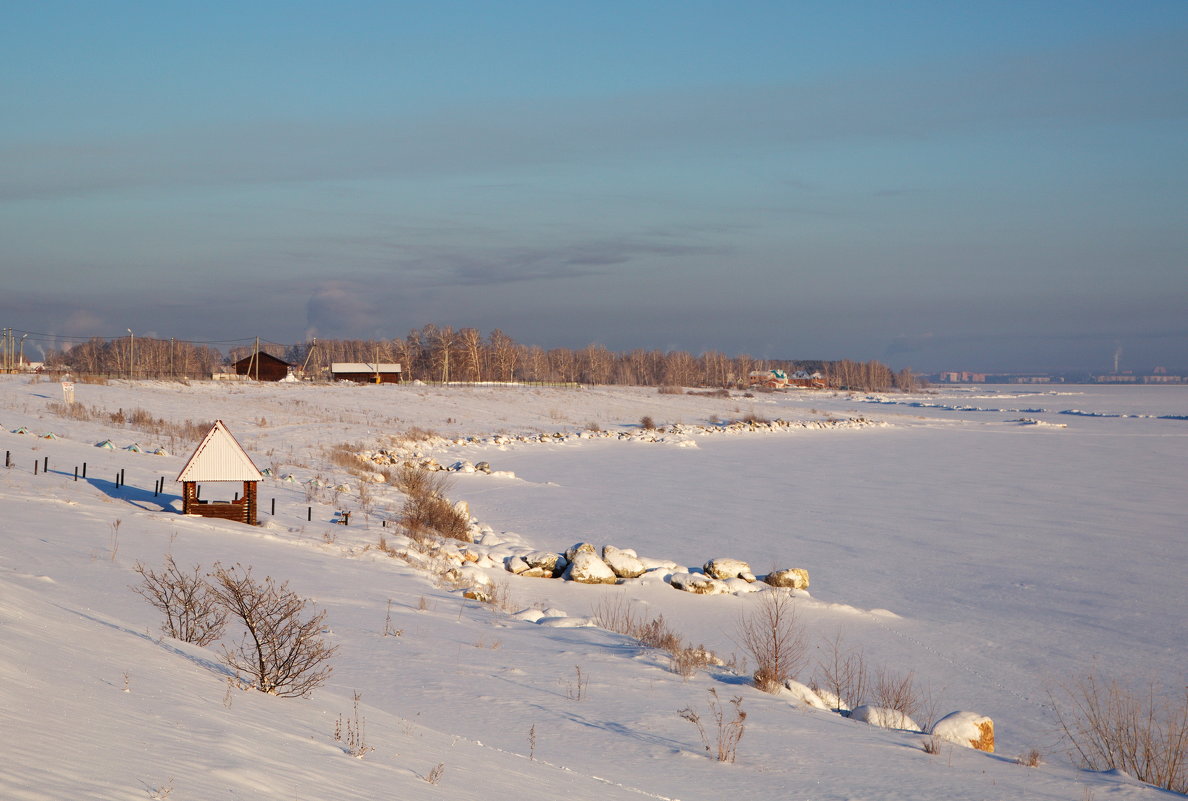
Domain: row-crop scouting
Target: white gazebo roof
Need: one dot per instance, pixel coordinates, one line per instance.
(219, 457)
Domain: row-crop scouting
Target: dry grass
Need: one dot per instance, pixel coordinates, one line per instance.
(616, 615)
(647, 423)
(186, 431)
(727, 731)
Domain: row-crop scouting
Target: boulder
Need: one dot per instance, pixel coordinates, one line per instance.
(483, 467)
(796, 578)
(581, 547)
(624, 563)
(545, 564)
(883, 717)
(587, 568)
(966, 728)
(697, 584)
(727, 568)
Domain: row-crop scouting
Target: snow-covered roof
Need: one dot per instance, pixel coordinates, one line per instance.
(219, 457)
(365, 367)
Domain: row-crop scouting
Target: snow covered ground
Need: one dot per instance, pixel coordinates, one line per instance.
(993, 542)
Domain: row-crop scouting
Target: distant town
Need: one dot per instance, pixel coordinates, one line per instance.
(1158, 375)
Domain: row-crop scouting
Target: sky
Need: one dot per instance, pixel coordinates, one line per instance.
(993, 186)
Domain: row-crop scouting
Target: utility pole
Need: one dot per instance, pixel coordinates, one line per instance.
(256, 358)
(21, 362)
(131, 352)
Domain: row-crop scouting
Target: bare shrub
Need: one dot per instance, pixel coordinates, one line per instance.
(435, 774)
(1141, 732)
(727, 731)
(843, 673)
(282, 651)
(593, 426)
(753, 418)
(773, 637)
(932, 745)
(426, 511)
(192, 610)
(670, 390)
(897, 691)
(647, 423)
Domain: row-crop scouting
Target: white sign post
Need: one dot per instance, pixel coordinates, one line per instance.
(68, 392)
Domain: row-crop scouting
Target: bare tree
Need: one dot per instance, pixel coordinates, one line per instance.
(191, 607)
(772, 636)
(282, 650)
(503, 354)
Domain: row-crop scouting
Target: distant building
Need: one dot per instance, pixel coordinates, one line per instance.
(264, 367)
(366, 372)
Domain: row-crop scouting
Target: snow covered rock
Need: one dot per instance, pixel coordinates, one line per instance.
(538, 564)
(623, 562)
(802, 693)
(883, 717)
(697, 584)
(581, 547)
(587, 568)
(796, 578)
(728, 568)
(966, 728)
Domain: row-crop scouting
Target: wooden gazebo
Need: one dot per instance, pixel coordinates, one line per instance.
(219, 457)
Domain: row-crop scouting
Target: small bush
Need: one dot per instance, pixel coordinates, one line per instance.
(754, 419)
(773, 637)
(282, 651)
(1143, 733)
(192, 610)
(647, 423)
(843, 673)
(670, 390)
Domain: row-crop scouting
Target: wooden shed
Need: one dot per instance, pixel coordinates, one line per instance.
(366, 372)
(263, 366)
(220, 458)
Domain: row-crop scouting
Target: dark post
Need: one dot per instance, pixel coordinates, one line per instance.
(309, 513)
(35, 464)
(45, 467)
(274, 507)
(8, 458)
(84, 469)
(76, 472)
(237, 496)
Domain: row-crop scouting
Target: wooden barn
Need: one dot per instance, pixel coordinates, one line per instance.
(220, 458)
(263, 367)
(366, 372)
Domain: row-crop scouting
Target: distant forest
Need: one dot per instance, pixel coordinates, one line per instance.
(443, 354)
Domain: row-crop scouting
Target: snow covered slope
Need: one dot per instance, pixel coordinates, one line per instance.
(992, 559)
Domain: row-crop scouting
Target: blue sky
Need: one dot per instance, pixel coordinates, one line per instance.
(983, 185)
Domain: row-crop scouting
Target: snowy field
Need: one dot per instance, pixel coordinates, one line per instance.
(993, 542)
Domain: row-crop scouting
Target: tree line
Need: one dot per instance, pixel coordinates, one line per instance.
(444, 354)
